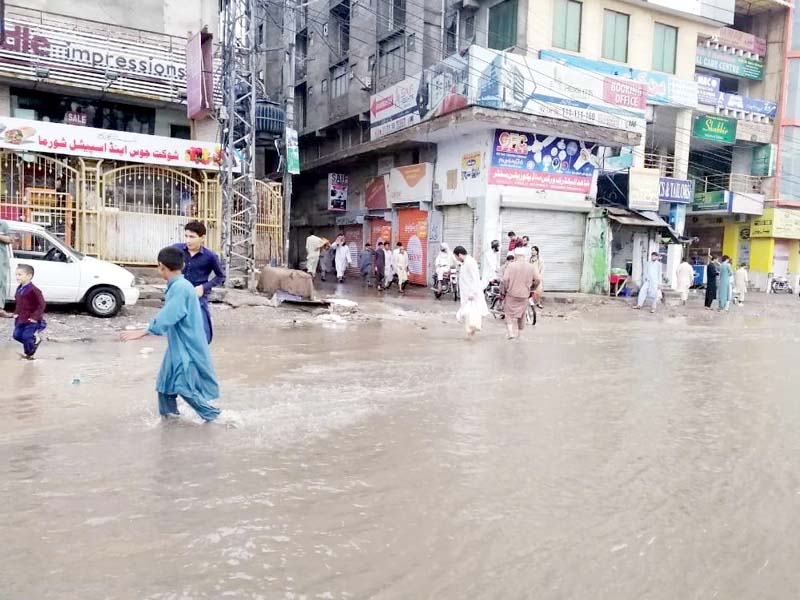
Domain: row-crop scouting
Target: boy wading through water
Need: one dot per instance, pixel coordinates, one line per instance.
(186, 369)
(29, 310)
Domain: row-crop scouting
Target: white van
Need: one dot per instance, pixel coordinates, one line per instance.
(66, 276)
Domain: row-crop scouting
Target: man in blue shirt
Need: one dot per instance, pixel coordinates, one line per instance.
(198, 264)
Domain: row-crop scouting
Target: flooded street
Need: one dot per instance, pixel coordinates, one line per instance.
(606, 456)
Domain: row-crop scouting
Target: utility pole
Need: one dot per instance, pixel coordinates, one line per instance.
(289, 35)
(238, 140)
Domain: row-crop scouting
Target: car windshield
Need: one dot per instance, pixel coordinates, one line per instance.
(27, 245)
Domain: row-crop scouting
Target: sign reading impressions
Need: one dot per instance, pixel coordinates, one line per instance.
(714, 129)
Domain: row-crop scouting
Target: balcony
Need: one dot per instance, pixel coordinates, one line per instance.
(755, 7)
(665, 163)
(738, 183)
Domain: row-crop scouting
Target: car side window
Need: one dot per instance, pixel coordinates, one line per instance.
(33, 246)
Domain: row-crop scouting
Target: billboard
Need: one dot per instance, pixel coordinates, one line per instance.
(338, 185)
(542, 162)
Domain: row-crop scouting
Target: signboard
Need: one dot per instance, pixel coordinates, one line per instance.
(714, 129)
(470, 166)
(711, 201)
(89, 142)
(764, 159)
(375, 196)
(83, 54)
(337, 192)
(413, 232)
(411, 184)
(676, 191)
(707, 89)
(199, 76)
(741, 40)
(777, 223)
(730, 64)
(292, 152)
(747, 104)
(624, 93)
(75, 118)
(542, 162)
(661, 88)
(750, 131)
(644, 189)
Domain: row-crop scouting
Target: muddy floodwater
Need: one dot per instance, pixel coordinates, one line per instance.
(605, 457)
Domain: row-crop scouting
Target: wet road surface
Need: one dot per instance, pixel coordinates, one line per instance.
(597, 458)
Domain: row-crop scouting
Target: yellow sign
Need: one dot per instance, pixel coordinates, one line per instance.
(777, 223)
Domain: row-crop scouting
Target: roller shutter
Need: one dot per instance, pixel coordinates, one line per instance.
(458, 226)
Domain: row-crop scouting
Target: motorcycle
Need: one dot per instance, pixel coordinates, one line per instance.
(781, 284)
(448, 284)
(494, 300)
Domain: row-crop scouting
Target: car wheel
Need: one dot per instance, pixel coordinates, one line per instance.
(104, 302)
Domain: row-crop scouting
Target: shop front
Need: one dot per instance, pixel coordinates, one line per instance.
(775, 246)
(119, 196)
(410, 195)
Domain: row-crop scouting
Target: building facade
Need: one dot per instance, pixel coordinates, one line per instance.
(674, 106)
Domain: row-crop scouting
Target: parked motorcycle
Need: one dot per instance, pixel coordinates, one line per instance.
(447, 285)
(781, 284)
(494, 300)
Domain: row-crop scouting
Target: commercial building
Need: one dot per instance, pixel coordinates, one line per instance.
(95, 141)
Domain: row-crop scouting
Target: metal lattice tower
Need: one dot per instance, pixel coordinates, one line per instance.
(238, 133)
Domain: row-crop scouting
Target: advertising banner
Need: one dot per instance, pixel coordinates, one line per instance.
(338, 185)
(676, 191)
(413, 232)
(707, 89)
(375, 196)
(777, 223)
(747, 104)
(542, 162)
(89, 142)
(715, 129)
(730, 64)
(644, 189)
(717, 200)
(411, 184)
(470, 166)
(661, 88)
(292, 152)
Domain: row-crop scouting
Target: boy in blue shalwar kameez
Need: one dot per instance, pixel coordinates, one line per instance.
(186, 369)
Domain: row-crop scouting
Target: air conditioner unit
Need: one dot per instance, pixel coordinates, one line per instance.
(367, 83)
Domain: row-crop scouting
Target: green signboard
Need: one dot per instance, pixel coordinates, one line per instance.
(292, 152)
(730, 64)
(715, 129)
(716, 200)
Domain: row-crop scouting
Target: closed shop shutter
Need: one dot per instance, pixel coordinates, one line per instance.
(380, 229)
(559, 236)
(354, 236)
(780, 258)
(413, 227)
(458, 227)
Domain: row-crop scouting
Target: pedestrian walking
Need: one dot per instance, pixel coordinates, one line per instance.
(725, 283)
(518, 281)
(5, 257)
(365, 264)
(712, 272)
(314, 245)
(651, 283)
(388, 276)
(401, 266)
(492, 270)
(342, 257)
(326, 260)
(741, 280)
(685, 278)
(379, 266)
(29, 312)
(536, 260)
(186, 369)
(199, 263)
(473, 302)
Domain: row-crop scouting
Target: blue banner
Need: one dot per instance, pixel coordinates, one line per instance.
(677, 191)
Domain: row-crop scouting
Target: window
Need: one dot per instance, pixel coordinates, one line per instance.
(390, 56)
(260, 34)
(567, 25)
(392, 15)
(469, 28)
(665, 46)
(339, 81)
(503, 25)
(181, 132)
(615, 36)
(451, 33)
(300, 107)
(324, 85)
(340, 29)
(34, 246)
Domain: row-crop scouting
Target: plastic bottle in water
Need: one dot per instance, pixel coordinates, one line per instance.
(76, 380)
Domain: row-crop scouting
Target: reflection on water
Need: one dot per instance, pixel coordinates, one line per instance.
(393, 462)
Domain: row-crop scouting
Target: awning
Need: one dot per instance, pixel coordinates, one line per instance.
(624, 216)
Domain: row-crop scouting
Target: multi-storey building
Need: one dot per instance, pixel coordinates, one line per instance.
(452, 120)
(95, 139)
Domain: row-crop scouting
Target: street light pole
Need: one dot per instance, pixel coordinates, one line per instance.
(289, 27)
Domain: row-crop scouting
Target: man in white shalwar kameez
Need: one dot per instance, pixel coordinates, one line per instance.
(342, 257)
(389, 273)
(651, 283)
(401, 266)
(740, 281)
(685, 278)
(313, 246)
(470, 289)
(492, 269)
